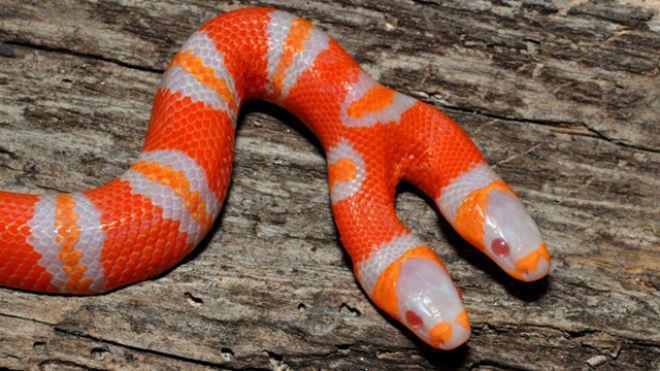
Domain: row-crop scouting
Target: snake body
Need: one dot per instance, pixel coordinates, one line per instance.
(149, 218)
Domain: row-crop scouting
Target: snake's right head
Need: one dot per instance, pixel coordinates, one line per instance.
(512, 238)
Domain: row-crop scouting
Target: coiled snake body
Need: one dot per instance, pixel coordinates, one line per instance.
(149, 218)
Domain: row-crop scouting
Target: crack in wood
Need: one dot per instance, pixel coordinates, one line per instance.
(78, 54)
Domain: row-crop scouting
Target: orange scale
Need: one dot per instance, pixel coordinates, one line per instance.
(374, 100)
(236, 49)
(437, 156)
(341, 171)
(12, 229)
(23, 256)
(316, 97)
(40, 283)
(24, 273)
(365, 233)
(213, 154)
(119, 258)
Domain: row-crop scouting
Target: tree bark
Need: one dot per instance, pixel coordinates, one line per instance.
(562, 97)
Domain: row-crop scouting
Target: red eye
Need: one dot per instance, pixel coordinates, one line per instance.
(412, 318)
(500, 247)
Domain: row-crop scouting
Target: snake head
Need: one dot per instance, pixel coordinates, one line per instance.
(512, 238)
(430, 304)
(489, 215)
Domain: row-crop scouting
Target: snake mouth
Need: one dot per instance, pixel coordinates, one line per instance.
(534, 266)
(451, 335)
(443, 335)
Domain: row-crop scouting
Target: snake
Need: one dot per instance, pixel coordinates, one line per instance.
(149, 218)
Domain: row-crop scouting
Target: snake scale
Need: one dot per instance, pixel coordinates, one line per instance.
(149, 218)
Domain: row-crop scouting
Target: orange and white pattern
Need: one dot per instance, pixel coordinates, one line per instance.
(200, 58)
(66, 231)
(368, 103)
(149, 218)
(346, 171)
(293, 46)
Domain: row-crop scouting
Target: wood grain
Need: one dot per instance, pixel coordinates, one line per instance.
(562, 97)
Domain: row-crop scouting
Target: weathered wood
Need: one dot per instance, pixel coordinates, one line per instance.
(563, 97)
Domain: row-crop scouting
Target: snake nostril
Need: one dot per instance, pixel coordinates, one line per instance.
(413, 318)
(500, 247)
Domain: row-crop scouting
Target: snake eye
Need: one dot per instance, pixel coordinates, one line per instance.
(413, 319)
(500, 247)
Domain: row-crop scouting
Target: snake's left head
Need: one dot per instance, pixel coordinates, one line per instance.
(429, 304)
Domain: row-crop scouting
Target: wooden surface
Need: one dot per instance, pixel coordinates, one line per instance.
(563, 98)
